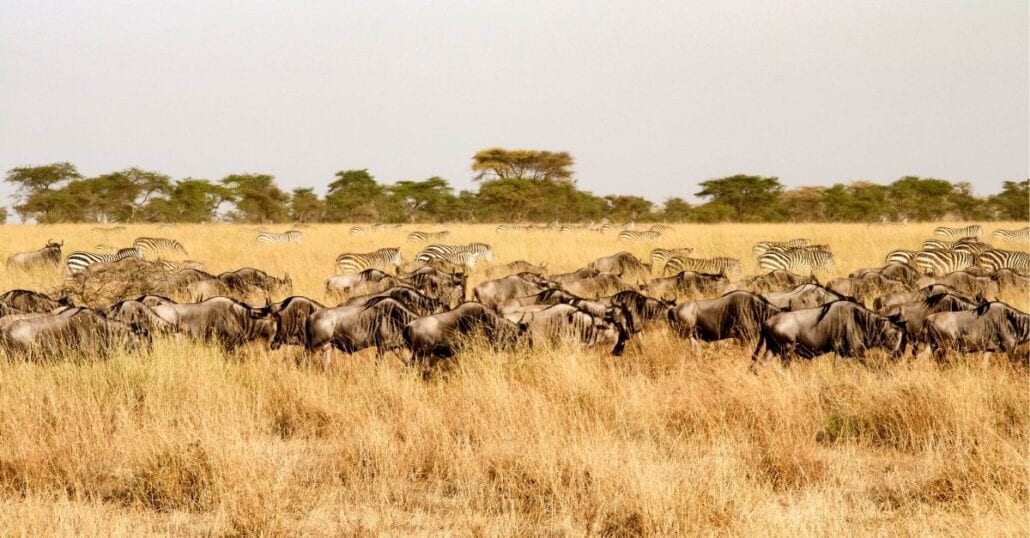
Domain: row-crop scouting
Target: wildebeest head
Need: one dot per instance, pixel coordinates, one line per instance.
(289, 318)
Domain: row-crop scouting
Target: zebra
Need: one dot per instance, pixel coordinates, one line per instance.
(901, 256)
(466, 255)
(606, 228)
(268, 238)
(629, 225)
(942, 262)
(762, 247)
(108, 229)
(661, 227)
(356, 262)
(1022, 234)
(175, 267)
(158, 244)
(975, 231)
(426, 236)
(79, 261)
(633, 235)
(937, 244)
(719, 265)
(995, 259)
(553, 226)
(359, 230)
(799, 261)
(504, 228)
(660, 256)
(973, 247)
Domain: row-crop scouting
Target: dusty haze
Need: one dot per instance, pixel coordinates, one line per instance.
(649, 98)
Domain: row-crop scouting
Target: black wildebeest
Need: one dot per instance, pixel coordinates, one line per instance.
(993, 326)
(48, 255)
(441, 335)
(737, 314)
(842, 327)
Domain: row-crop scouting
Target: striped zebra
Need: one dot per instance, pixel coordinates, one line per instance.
(719, 265)
(504, 228)
(942, 262)
(973, 247)
(553, 226)
(1022, 234)
(995, 259)
(901, 256)
(466, 255)
(660, 256)
(175, 267)
(422, 237)
(633, 235)
(269, 238)
(799, 261)
(356, 262)
(938, 244)
(661, 227)
(975, 231)
(359, 230)
(630, 225)
(79, 261)
(606, 228)
(762, 247)
(158, 244)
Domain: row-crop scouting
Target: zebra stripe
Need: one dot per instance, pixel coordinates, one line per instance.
(762, 247)
(79, 261)
(975, 231)
(901, 256)
(426, 236)
(268, 238)
(358, 230)
(726, 266)
(1022, 234)
(633, 235)
(457, 254)
(799, 261)
(553, 226)
(660, 256)
(158, 244)
(973, 247)
(942, 262)
(606, 228)
(356, 262)
(995, 259)
(937, 244)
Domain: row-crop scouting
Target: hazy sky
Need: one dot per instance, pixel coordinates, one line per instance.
(650, 97)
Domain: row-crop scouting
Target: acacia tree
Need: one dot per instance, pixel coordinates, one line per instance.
(256, 197)
(34, 184)
(305, 206)
(353, 197)
(500, 163)
(749, 198)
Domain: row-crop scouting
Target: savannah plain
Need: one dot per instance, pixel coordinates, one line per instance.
(660, 441)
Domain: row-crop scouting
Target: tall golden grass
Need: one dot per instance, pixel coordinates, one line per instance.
(660, 441)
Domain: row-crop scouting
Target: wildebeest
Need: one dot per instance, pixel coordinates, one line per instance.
(549, 297)
(912, 316)
(352, 328)
(448, 288)
(640, 309)
(891, 299)
(895, 271)
(688, 283)
(1010, 280)
(139, 317)
(48, 255)
(441, 335)
(622, 264)
(412, 299)
(865, 286)
(27, 301)
(290, 318)
(565, 323)
(964, 283)
(842, 327)
(221, 319)
(801, 297)
(494, 293)
(256, 279)
(993, 326)
(367, 281)
(597, 285)
(517, 266)
(78, 331)
(737, 314)
(775, 280)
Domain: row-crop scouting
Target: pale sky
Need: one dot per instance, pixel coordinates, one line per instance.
(650, 97)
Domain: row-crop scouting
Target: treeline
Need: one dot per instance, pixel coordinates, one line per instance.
(514, 185)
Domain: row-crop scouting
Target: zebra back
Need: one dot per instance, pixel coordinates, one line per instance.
(975, 231)
(291, 236)
(633, 235)
(942, 262)
(798, 260)
(995, 259)
(158, 244)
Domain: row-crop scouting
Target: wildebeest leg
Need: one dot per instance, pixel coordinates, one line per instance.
(327, 356)
(694, 346)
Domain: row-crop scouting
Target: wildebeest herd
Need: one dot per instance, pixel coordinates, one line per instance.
(941, 299)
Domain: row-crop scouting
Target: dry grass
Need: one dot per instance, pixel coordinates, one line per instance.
(657, 442)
